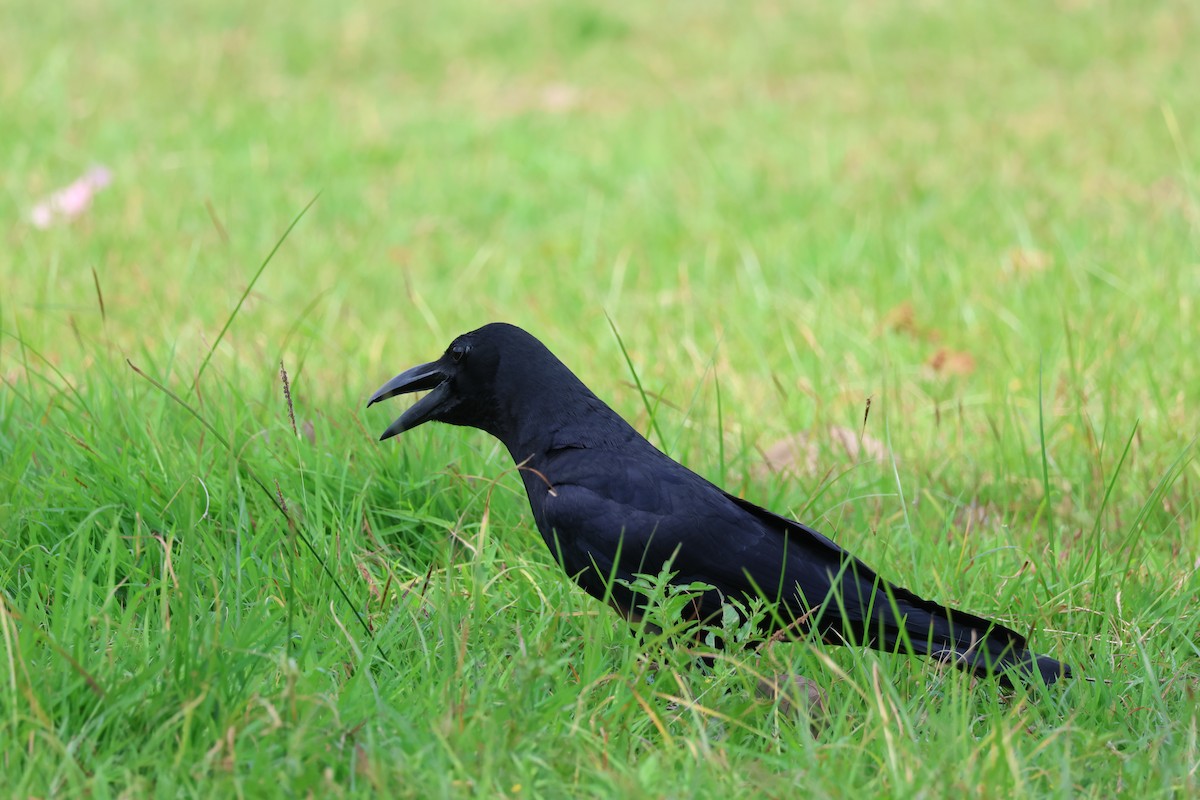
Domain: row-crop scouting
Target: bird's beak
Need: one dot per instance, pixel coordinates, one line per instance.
(426, 376)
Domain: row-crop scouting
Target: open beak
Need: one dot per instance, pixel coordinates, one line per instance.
(425, 376)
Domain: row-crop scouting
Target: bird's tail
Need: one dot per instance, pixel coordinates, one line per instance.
(998, 655)
(861, 608)
(970, 643)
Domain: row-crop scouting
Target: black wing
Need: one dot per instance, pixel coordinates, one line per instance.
(615, 514)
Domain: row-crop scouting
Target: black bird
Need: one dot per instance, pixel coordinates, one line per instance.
(611, 505)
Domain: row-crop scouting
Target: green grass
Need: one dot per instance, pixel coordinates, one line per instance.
(785, 209)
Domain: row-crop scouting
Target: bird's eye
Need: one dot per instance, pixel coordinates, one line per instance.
(457, 352)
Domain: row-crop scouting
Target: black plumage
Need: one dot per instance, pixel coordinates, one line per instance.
(611, 505)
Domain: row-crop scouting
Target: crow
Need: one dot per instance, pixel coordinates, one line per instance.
(611, 506)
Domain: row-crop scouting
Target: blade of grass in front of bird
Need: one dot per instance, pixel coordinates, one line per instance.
(650, 409)
(1045, 457)
(249, 287)
(267, 491)
(1165, 482)
(1097, 547)
(720, 423)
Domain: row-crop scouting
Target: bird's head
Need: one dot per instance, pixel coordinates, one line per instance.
(481, 381)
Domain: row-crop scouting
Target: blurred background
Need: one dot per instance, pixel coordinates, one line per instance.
(818, 194)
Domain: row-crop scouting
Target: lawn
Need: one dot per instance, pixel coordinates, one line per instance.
(925, 275)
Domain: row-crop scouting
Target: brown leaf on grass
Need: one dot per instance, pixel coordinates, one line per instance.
(800, 453)
(973, 514)
(858, 448)
(903, 319)
(1022, 262)
(795, 453)
(362, 762)
(558, 98)
(369, 579)
(524, 98)
(951, 362)
(797, 696)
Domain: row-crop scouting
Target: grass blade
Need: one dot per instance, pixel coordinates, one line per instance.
(275, 501)
(650, 409)
(249, 288)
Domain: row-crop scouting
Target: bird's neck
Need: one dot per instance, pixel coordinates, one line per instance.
(579, 422)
